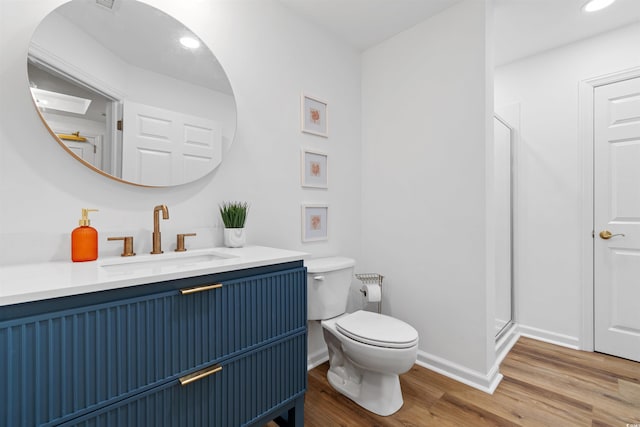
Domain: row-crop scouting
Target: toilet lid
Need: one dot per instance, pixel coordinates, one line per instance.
(377, 329)
(324, 265)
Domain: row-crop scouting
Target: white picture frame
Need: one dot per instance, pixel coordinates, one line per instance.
(314, 114)
(314, 169)
(315, 222)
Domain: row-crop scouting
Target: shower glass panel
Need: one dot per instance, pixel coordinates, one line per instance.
(503, 192)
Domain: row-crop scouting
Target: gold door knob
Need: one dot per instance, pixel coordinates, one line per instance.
(606, 234)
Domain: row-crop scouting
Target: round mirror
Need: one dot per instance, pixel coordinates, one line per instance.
(131, 92)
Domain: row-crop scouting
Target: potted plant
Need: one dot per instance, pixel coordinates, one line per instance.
(234, 215)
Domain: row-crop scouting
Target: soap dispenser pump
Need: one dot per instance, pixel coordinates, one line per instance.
(84, 239)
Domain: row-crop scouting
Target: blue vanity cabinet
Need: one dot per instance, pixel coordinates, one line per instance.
(119, 357)
(249, 390)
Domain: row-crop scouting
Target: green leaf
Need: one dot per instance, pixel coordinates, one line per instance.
(234, 214)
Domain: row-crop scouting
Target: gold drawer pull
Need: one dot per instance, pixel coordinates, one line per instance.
(188, 291)
(188, 379)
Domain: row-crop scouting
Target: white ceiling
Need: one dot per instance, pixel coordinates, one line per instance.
(365, 23)
(522, 27)
(526, 27)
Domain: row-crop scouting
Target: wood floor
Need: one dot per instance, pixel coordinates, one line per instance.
(543, 385)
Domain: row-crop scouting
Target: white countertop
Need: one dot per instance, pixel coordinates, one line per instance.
(33, 282)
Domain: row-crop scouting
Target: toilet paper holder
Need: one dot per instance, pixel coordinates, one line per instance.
(372, 279)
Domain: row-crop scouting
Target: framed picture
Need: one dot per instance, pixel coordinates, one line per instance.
(315, 116)
(314, 222)
(314, 171)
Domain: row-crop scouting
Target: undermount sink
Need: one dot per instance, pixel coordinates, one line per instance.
(168, 260)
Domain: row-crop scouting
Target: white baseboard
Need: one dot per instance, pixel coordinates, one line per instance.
(550, 337)
(506, 342)
(317, 359)
(486, 383)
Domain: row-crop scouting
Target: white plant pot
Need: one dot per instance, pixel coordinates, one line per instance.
(234, 237)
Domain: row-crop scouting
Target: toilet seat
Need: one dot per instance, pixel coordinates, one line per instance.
(377, 330)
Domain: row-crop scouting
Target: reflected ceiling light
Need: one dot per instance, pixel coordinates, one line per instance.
(594, 5)
(105, 3)
(60, 101)
(190, 42)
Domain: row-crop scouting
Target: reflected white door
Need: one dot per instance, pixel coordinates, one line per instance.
(162, 147)
(617, 212)
(89, 151)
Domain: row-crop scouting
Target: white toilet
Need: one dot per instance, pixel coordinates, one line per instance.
(367, 351)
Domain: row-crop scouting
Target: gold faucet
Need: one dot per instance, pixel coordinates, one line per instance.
(157, 243)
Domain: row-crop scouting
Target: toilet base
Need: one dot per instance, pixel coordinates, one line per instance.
(374, 391)
(365, 374)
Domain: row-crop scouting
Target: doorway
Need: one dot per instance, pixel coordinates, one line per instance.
(610, 122)
(617, 219)
(98, 123)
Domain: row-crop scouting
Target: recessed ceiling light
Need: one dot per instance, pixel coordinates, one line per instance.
(190, 42)
(594, 5)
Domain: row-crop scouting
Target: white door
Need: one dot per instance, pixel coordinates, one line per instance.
(162, 147)
(90, 151)
(617, 219)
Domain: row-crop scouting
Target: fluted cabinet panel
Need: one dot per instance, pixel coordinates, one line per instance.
(62, 365)
(231, 397)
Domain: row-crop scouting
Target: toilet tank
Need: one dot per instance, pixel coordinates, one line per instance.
(328, 283)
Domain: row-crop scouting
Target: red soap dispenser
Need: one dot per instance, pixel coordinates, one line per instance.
(84, 240)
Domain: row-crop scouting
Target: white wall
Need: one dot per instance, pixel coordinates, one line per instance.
(270, 56)
(427, 136)
(548, 281)
(265, 50)
(425, 146)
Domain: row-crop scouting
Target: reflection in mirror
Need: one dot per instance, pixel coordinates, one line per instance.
(136, 104)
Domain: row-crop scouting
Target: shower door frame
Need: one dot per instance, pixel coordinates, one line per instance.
(512, 182)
